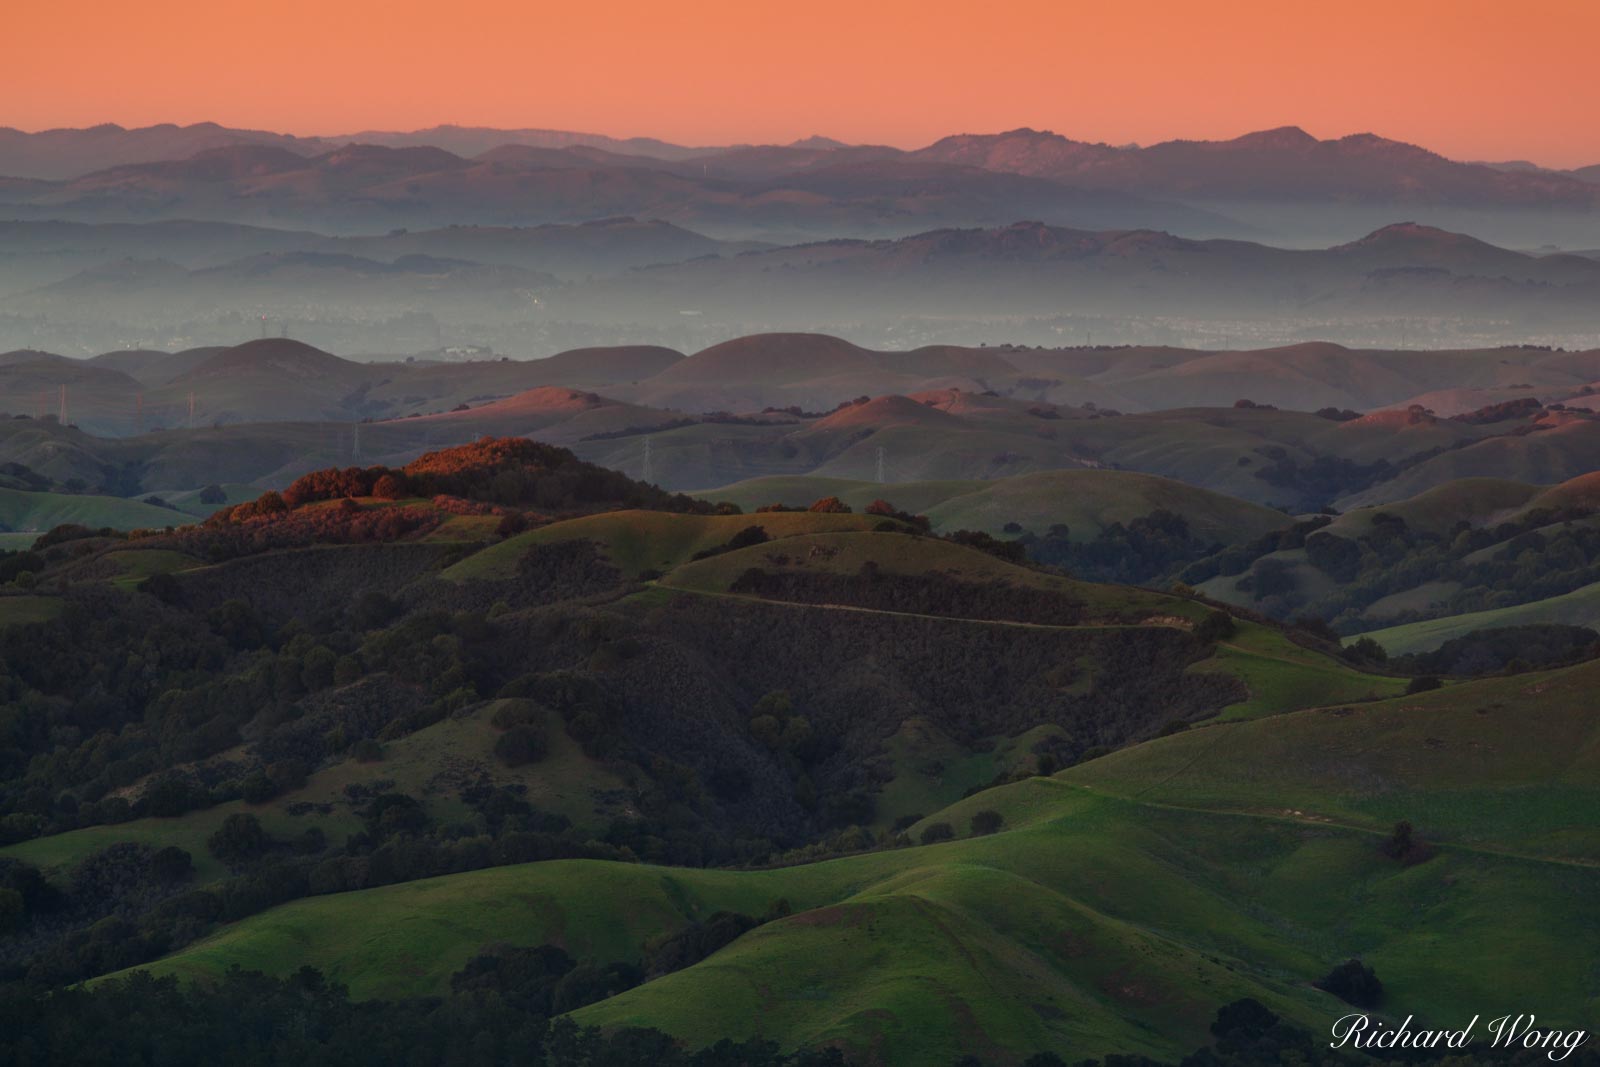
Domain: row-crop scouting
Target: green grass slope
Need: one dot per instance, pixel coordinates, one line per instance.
(1282, 676)
(21, 510)
(1097, 924)
(637, 541)
(1085, 500)
(901, 553)
(429, 765)
(1509, 764)
(1279, 675)
(1581, 607)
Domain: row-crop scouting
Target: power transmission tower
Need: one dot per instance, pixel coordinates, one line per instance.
(355, 442)
(880, 465)
(644, 475)
(191, 409)
(61, 414)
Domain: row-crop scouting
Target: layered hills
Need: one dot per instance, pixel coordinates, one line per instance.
(415, 698)
(516, 288)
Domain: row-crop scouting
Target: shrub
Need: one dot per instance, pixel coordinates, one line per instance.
(987, 822)
(521, 745)
(239, 839)
(1404, 845)
(389, 487)
(1354, 983)
(939, 831)
(516, 711)
(1422, 684)
(1216, 626)
(171, 864)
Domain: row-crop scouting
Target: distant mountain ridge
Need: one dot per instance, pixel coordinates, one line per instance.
(365, 187)
(70, 152)
(1284, 163)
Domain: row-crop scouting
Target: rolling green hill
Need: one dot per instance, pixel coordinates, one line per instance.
(814, 731)
(1125, 900)
(1085, 500)
(1502, 764)
(637, 541)
(1581, 607)
(41, 511)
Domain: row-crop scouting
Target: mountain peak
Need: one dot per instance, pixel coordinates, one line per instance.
(818, 141)
(1279, 137)
(1411, 233)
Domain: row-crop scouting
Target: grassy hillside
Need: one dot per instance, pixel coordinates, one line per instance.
(1097, 924)
(636, 541)
(1085, 500)
(1501, 764)
(21, 510)
(1480, 501)
(1279, 675)
(896, 553)
(750, 708)
(1581, 607)
(1283, 676)
(426, 764)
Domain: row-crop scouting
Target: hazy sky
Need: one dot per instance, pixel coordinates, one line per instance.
(1495, 79)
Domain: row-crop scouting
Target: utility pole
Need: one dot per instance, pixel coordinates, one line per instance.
(644, 476)
(355, 442)
(191, 409)
(880, 465)
(61, 414)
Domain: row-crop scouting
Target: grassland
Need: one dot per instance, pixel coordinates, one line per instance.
(1502, 763)
(57, 854)
(1096, 923)
(20, 510)
(1480, 501)
(1125, 900)
(1087, 501)
(639, 541)
(932, 770)
(1581, 607)
(1283, 676)
(902, 553)
(1280, 675)
(431, 765)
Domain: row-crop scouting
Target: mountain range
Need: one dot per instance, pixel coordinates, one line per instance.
(1278, 427)
(523, 290)
(1260, 163)
(360, 187)
(817, 186)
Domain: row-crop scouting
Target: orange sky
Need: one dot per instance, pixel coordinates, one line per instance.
(1471, 78)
